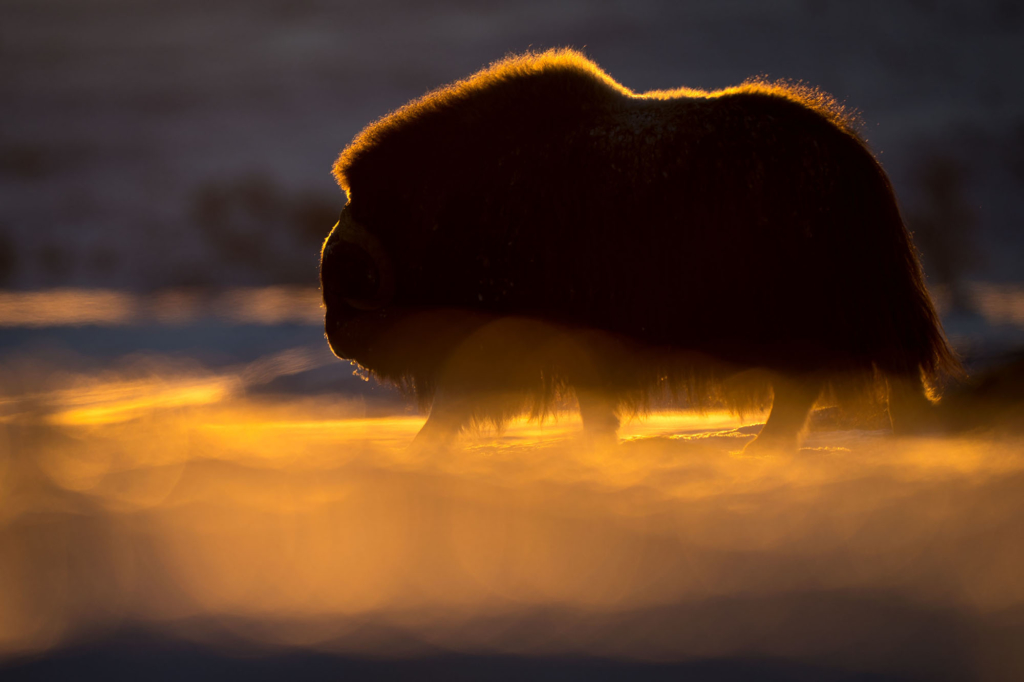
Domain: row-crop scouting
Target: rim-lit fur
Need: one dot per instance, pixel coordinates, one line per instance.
(706, 233)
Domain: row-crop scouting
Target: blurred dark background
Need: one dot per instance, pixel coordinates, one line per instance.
(159, 144)
(148, 146)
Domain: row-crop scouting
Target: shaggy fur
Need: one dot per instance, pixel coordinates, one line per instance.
(701, 234)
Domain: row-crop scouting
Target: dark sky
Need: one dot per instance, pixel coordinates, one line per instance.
(153, 144)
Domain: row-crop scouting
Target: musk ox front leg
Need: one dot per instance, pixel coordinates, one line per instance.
(511, 366)
(794, 398)
(494, 374)
(449, 414)
(598, 412)
(910, 410)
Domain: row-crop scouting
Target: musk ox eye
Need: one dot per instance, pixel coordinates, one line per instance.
(351, 272)
(355, 270)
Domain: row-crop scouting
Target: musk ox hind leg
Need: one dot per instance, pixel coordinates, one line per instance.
(598, 412)
(791, 406)
(910, 410)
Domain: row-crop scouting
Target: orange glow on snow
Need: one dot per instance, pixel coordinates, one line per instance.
(103, 307)
(301, 521)
(65, 307)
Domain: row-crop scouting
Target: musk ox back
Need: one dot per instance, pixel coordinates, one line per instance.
(678, 238)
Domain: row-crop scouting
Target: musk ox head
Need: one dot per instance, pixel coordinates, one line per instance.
(356, 275)
(355, 271)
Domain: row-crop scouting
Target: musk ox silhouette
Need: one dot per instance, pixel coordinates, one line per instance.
(538, 231)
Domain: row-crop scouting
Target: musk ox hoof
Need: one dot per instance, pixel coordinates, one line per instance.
(598, 440)
(929, 424)
(437, 436)
(766, 444)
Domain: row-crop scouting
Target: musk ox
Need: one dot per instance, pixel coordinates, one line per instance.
(539, 231)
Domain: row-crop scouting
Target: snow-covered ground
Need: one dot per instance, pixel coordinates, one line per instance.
(167, 499)
(199, 469)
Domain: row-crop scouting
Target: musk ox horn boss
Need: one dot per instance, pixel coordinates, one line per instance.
(538, 230)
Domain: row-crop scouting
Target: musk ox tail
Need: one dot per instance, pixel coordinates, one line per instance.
(917, 345)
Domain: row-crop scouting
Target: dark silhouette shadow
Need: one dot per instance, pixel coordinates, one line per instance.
(876, 637)
(893, 560)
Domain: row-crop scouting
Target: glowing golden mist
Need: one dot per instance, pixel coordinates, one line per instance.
(129, 400)
(300, 521)
(65, 307)
(73, 307)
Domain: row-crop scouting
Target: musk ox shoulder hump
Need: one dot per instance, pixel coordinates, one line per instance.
(443, 116)
(551, 91)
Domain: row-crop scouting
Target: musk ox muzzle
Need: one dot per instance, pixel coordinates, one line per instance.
(355, 270)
